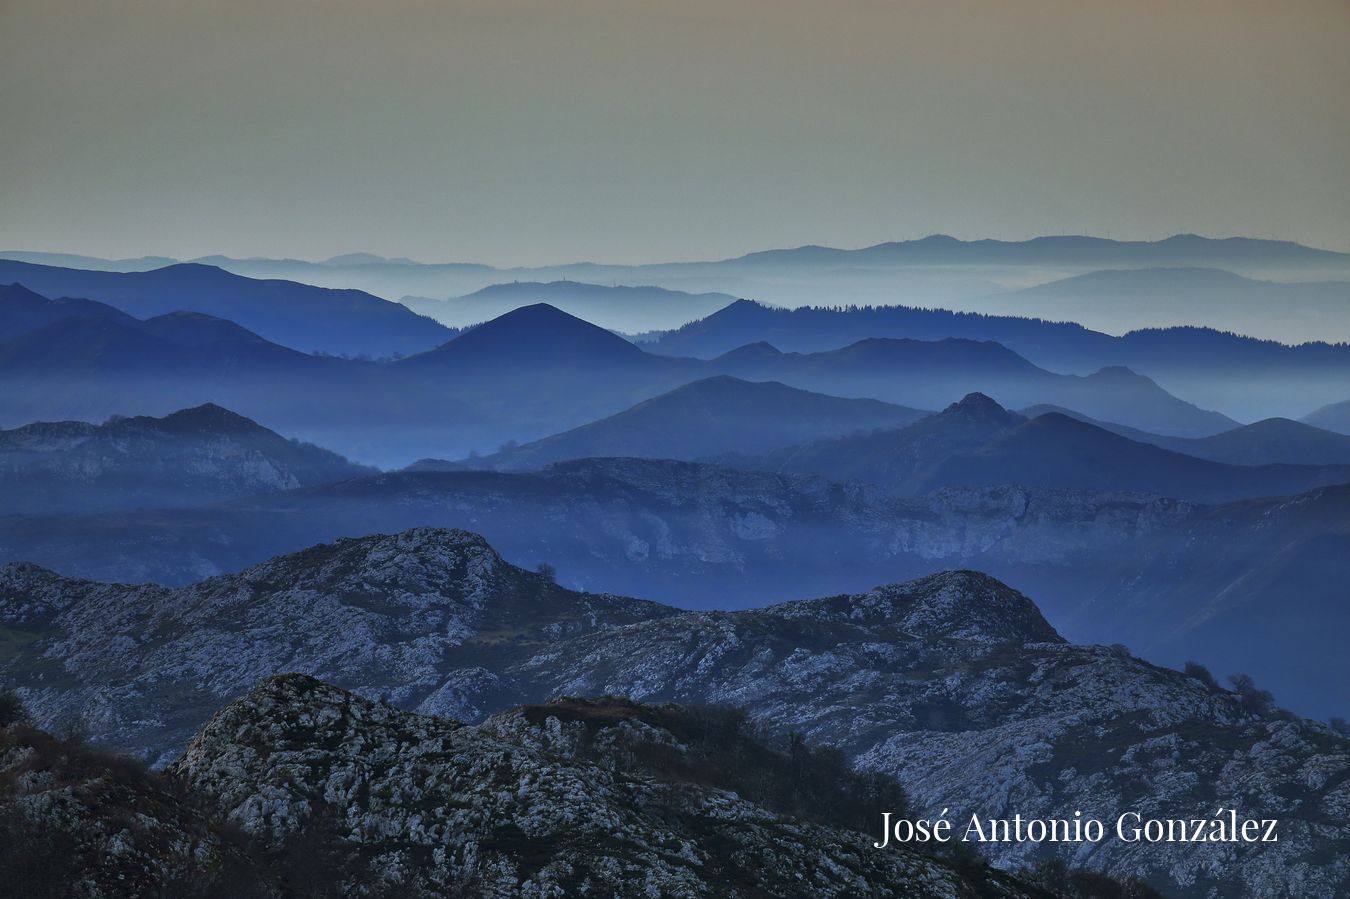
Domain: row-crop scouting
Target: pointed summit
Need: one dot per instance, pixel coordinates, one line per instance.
(760, 349)
(208, 417)
(979, 407)
(532, 335)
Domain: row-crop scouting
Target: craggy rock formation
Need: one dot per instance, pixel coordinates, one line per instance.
(954, 683)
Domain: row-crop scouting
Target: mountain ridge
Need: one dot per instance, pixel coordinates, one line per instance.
(945, 688)
(293, 314)
(197, 455)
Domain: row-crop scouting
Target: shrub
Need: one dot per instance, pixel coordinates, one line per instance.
(1201, 673)
(12, 710)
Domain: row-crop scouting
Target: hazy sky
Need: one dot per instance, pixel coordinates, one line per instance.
(539, 131)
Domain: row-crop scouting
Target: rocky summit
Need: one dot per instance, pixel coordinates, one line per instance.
(954, 684)
(511, 808)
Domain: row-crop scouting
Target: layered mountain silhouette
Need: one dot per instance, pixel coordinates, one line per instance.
(1273, 441)
(977, 442)
(931, 374)
(1332, 417)
(22, 311)
(438, 623)
(92, 368)
(1202, 364)
(936, 270)
(714, 417)
(527, 374)
(1121, 300)
(344, 322)
(540, 370)
(194, 456)
(617, 307)
(1061, 250)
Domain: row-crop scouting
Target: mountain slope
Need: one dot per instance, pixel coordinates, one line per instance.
(903, 459)
(231, 818)
(1055, 450)
(1121, 300)
(1333, 417)
(712, 417)
(546, 371)
(1250, 591)
(538, 334)
(978, 443)
(617, 307)
(1272, 441)
(690, 534)
(931, 374)
(91, 368)
(193, 456)
(515, 807)
(954, 683)
(1063, 250)
(295, 315)
(22, 311)
(1198, 363)
(1255, 587)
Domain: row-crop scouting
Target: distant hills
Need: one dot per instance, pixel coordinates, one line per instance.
(1122, 300)
(1271, 441)
(1061, 250)
(618, 307)
(533, 372)
(976, 442)
(931, 374)
(1332, 417)
(194, 456)
(936, 270)
(713, 417)
(91, 367)
(1201, 364)
(22, 311)
(310, 319)
(1256, 586)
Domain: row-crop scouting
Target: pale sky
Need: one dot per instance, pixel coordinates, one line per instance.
(545, 131)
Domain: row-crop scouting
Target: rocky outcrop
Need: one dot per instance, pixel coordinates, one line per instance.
(429, 807)
(198, 455)
(79, 822)
(954, 683)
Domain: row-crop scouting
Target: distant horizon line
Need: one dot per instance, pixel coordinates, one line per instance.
(377, 259)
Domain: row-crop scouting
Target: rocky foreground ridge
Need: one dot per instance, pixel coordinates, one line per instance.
(955, 684)
(303, 789)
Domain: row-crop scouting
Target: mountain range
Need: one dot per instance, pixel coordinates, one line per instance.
(954, 684)
(1272, 441)
(340, 322)
(932, 374)
(192, 457)
(1332, 417)
(704, 419)
(91, 367)
(976, 442)
(1122, 300)
(533, 372)
(689, 534)
(708, 537)
(937, 264)
(1242, 376)
(616, 307)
